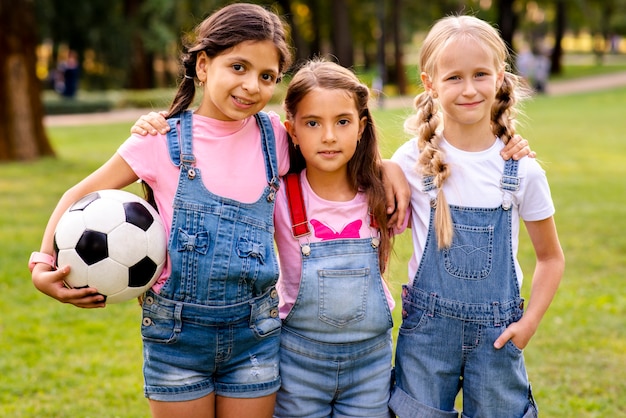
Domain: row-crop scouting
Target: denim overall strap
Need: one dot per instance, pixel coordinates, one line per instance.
(269, 146)
(221, 250)
(182, 122)
(341, 297)
(474, 279)
(509, 183)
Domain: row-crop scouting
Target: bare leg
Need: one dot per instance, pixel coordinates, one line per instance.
(198, 408)
(245, 408)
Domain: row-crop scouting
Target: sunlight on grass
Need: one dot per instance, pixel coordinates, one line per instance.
(59, 361)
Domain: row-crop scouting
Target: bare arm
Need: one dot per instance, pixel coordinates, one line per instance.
(114, 174)
(546, 278)
(397, 193)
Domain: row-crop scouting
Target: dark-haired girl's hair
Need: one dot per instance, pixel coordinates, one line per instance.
(222, 30)
(365, 166)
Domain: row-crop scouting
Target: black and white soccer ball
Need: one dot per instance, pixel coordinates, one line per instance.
(113, 241)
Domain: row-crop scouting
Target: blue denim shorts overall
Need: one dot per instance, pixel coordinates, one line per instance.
(336, 350)
(461, 300)
(214, 325)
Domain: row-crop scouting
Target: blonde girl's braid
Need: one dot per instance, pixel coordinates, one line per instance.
(425, 125)
(504, 111)
(426, 121)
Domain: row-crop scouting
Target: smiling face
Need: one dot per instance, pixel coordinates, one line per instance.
(326, 126)
(238, 82)
(465, 81)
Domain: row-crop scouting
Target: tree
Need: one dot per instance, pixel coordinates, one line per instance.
(398, 52)
(341, 34)
(22, 134)
(507, 22)
(559, 31)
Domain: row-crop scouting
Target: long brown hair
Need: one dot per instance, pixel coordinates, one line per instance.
(365, 166)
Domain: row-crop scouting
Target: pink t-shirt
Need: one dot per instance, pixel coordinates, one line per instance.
(327, 220)
(228, 154)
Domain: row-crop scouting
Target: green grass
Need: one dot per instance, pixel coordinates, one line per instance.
(60, 361)
(575, 359)
(586, 65)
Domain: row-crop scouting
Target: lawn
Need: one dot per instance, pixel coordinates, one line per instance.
(60, 361)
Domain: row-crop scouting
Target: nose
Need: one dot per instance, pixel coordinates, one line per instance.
(329, 135)
(469, 89)
(251, 83)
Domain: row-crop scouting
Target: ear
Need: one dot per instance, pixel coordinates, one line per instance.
(362, 125)
(499, 79)
(289, 126)
(202, 63)
(426, 82)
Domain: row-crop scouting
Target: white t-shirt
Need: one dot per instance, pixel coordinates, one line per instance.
(474, 182)
(327, 220)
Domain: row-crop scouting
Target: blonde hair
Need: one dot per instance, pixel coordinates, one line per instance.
(425, 123)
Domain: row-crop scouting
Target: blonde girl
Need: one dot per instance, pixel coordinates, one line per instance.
(464, 325)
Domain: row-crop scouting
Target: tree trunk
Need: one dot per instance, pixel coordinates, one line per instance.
(302, 49)
(397, 48)
(559, 31)
(507, 22)
(343, 47)
(22, 134)
(141, 74)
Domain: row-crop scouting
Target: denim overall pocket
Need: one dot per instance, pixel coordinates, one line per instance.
(343, 296)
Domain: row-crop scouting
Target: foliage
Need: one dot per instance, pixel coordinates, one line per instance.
(112, 36)
(59, 361)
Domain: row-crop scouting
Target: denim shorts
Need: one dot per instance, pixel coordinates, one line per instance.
(192, 350)
(338, 380)
(433, 351)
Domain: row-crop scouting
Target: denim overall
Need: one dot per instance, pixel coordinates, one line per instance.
(461, 300)
(214, 325)
(336, 340)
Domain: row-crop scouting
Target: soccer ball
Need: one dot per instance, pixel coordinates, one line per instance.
(114, 241)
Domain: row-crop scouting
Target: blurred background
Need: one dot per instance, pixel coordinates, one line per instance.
(61, 56)
(68, 69)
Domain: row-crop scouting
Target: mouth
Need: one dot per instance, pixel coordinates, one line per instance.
(472, 104)
(328, 153)
(242, 102)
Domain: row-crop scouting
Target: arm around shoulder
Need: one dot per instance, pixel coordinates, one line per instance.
(397, 192)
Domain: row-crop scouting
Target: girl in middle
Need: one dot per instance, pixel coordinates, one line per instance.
(333, 241)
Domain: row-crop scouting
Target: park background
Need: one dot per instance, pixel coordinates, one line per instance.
(59, 361)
